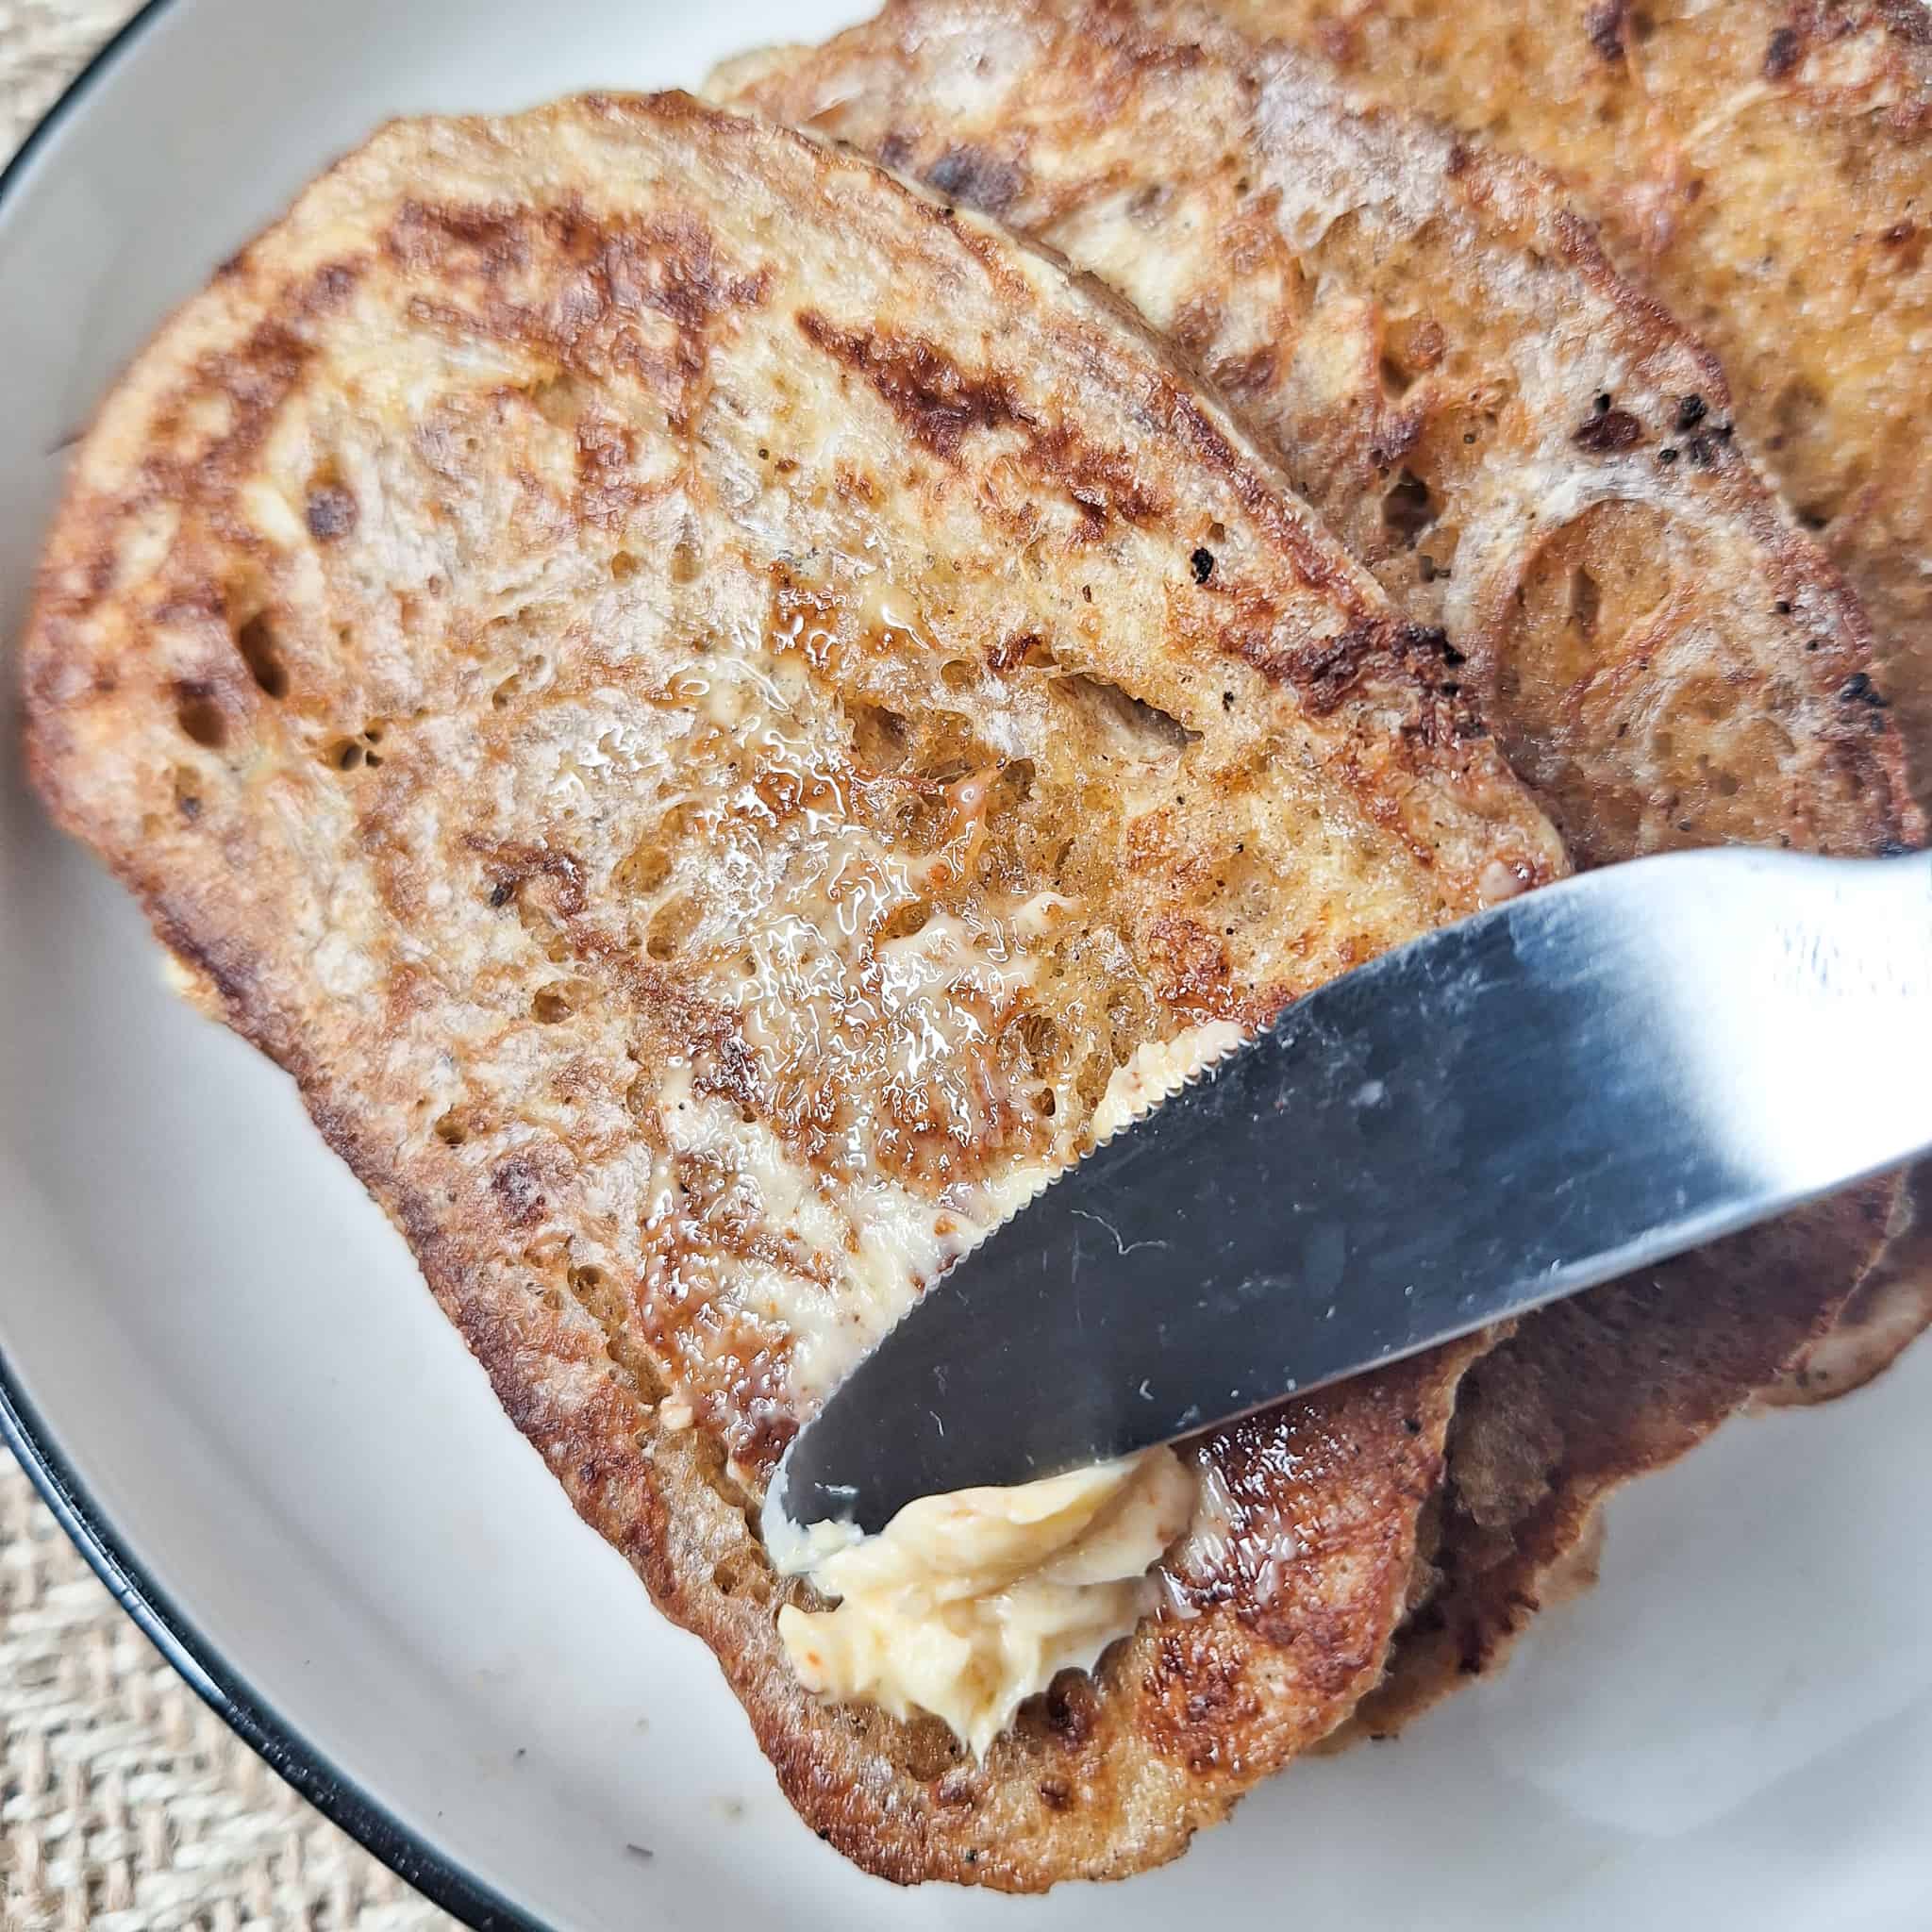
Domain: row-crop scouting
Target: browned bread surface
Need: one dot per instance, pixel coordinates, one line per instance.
(702, 705)
(1525, 449)
(1766, 167)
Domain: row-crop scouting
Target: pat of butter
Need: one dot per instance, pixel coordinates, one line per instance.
(966, 1605)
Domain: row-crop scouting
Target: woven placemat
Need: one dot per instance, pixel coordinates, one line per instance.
(125, 1804)
(43, 44)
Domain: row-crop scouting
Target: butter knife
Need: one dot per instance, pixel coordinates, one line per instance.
(1556, 1092)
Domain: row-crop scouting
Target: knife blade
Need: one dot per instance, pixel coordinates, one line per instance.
(1549, 1095)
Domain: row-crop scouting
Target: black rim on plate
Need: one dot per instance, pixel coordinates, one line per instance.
(339, 1798)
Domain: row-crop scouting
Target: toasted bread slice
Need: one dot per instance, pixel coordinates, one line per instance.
(1525, 449)
(704, 705)
(1766, 167)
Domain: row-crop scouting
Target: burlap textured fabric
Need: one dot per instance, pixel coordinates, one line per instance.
(125, 1804)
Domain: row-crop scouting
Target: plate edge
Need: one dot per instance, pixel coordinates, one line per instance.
(340, 1799)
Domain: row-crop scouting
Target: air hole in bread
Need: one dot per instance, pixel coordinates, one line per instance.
(1586, 600)
(647, 867)
(1796, 412)
(602, 1298)
(956, 675)
(552, 1003)
(1406, 509)
(1129, 1019)
(880, 737)
(201, 718)
(1396, 380)
(922, 825)
(643, 869)
(531, 676)
(548, 1251)
(1136, 728)
(561, 400)
(624, 566)
(671, 927)
(743, 1573)
(1725, 784)
(1011, 789)
(345, 753)
(452, 1129)
(255, 641)
(707, 1463)
(1041, 1038)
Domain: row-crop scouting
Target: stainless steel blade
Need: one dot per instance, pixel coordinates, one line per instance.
(1545, 1096)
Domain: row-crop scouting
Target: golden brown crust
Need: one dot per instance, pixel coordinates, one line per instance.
(1525, 449)
(1766, 168)
(556, 589)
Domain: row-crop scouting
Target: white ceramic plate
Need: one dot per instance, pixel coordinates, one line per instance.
(234, 1388)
